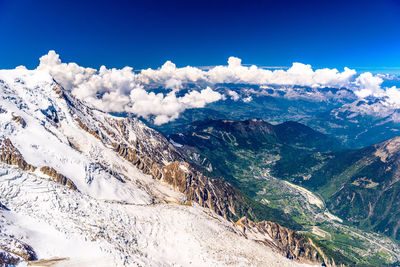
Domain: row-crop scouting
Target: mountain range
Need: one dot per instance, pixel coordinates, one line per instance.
(79, 186)
(86, 188)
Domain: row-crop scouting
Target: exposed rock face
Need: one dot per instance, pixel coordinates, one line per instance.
(19, 119)
(8, 259)
(58, 89)
(10, 155)
(130, 155)
(388, 151)
(13, 250)
(58, 177)
(291, 244)
(84, 127)
(217, 195)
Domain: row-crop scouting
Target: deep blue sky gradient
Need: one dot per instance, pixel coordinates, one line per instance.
(358, 34)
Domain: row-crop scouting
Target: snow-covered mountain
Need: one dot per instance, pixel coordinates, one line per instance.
(79, 187)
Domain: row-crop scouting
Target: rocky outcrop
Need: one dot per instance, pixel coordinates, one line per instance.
(130, 155)
(87, 129)
(58, 177)
(13, 250)
(58, 89)
(19, 120)
(10, 155)
(288, 242)
(8, 259)
(217, 195)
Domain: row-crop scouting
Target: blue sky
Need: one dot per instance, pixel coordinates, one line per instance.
(359, 34)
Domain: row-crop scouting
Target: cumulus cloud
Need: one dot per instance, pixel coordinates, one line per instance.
(168, 107)
(234, 95)
(169, 73)
(173, 84)
(235, 72)
(393, 95)
(121, 90)
(368, 85)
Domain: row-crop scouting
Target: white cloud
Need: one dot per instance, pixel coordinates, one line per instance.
(234, 96)
(247, 99)
(173, 84)
(121, 90)
(235, 72)
(393, 95)
(169, 72)
(69, 75)
(167, 107)
(368, 85)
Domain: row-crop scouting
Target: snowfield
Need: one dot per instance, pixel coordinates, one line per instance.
(118, 216)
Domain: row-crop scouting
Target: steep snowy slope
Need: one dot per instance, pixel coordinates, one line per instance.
(79, 187)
